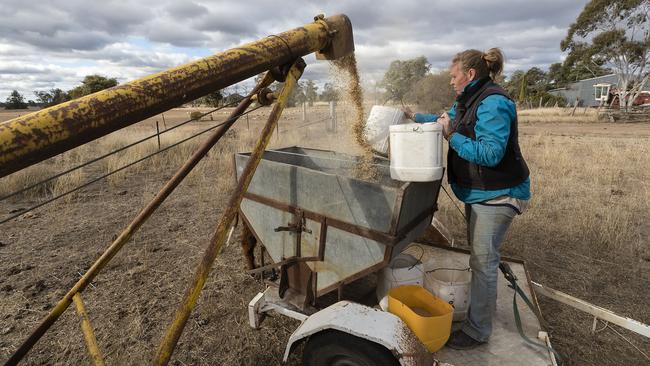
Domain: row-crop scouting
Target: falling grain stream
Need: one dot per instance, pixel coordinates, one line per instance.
(365, 169)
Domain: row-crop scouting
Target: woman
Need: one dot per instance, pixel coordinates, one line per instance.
(487, 172)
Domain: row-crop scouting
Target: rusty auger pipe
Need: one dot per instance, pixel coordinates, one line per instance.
(146, 212)
(28, 139)
(175, 329)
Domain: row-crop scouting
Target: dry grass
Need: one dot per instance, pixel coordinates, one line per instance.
(45, 170)
(590, 194)
(559, 115)
(592, 188)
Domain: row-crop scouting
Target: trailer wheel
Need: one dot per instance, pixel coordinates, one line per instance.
(335, 348)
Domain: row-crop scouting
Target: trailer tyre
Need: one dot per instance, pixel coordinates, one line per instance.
(335, 348)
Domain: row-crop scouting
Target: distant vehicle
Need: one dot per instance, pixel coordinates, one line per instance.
(608, 96)
(642, 100)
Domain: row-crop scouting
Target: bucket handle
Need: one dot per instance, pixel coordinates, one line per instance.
(450, 269)
(410, 268)
(419, 261)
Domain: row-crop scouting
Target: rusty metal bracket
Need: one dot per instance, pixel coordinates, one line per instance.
(288, 261)
(265, 97)
(280, 72)
(297, 226)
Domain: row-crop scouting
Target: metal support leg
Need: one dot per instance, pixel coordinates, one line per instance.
(189, 302)
(87, 329)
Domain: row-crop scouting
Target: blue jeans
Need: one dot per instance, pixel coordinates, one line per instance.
(486, 228)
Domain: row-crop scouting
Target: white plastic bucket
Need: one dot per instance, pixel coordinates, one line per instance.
(379, 120)
(404, 269)
(451, 285)
(416, 152)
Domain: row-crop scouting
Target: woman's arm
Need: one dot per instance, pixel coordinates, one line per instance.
(425, 117)
(495, 115)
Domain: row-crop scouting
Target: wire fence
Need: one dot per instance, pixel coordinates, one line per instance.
(331, 118)
(306, 124)
(101, 157)
(103, 176)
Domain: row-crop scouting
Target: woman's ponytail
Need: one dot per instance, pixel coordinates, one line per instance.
(494, 61)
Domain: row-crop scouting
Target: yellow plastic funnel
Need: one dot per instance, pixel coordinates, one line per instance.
(428, 316)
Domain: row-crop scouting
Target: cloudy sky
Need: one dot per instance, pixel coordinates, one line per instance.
(55, 43)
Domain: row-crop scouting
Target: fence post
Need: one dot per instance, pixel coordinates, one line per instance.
(575, 105)
(163, 118)
(158, 134)
(304, 112)
(331, 126)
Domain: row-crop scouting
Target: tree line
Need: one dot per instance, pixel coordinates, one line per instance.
(304, 92)
(608, 36)
(47, 98)
(412, 82)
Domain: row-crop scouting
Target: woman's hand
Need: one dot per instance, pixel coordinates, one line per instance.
(408, 113)
(445, 121)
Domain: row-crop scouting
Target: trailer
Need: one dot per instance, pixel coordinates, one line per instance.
(328, 233)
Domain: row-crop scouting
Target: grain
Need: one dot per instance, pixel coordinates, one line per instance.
(365, 169)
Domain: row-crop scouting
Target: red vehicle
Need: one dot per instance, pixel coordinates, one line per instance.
(608, 94)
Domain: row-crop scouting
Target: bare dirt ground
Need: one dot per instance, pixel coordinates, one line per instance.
(586, 233)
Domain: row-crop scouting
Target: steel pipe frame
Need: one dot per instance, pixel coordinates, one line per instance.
(124, 237)
(29, 139)
(183, 312)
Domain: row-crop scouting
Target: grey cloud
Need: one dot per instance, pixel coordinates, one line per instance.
(117, 17)
(188, 10)
(226, 24)
(22, 69)
(126, 57)
(70, 25)
(175, 35)
(67, 40)
(50, 32)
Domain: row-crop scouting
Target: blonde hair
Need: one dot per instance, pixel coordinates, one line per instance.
(488, 63)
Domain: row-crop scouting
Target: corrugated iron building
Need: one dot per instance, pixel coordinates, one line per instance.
(585, 91)
(590, 92)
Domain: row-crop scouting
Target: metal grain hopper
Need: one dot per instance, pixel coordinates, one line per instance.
(323, 227)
